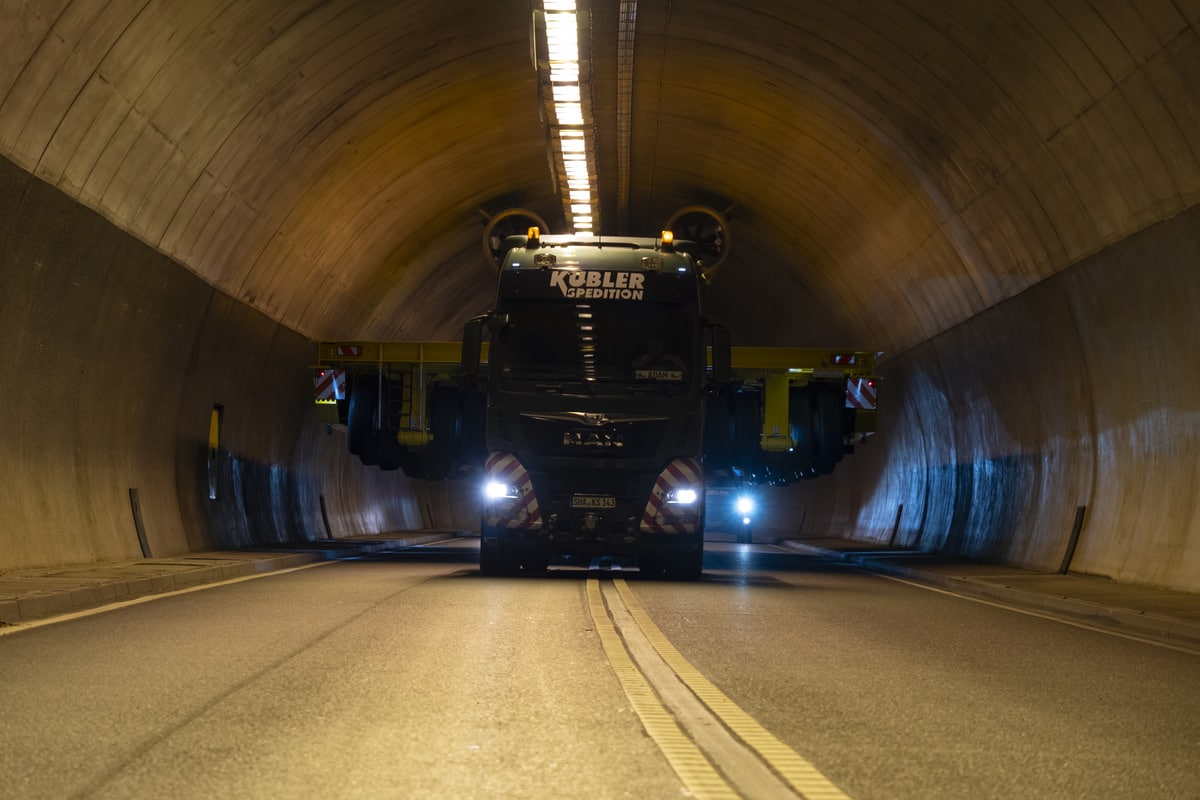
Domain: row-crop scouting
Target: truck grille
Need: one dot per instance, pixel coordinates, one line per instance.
(556, 438)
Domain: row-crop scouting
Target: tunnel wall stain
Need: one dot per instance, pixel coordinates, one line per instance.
(1083, 391)
(115, 357)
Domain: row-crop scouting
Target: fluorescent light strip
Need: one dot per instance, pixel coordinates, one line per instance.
(569, 129)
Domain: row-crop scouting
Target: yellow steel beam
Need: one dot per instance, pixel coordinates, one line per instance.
(353, 352)
(777, 436)
(803, 360)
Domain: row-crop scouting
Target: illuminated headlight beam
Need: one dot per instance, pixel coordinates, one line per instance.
(684, 496)
(496, 490)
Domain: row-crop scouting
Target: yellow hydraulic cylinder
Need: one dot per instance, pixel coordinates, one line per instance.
(413, 438)
(777, 436)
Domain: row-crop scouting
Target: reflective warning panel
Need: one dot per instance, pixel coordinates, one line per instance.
(660, 514)
(861, 393)
(329, 385)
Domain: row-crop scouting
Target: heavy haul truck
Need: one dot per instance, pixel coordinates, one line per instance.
(595, 403)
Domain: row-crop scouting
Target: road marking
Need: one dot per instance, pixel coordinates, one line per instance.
(1182, 648)
(698, 775)
(17, 627)
(794, 768)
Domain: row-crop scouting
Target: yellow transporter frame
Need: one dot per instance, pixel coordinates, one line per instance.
(779, 368)
(776, 368)
(416, 363)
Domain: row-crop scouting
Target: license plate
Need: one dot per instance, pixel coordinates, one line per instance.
(593, 501)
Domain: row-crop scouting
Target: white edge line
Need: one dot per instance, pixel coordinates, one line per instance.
(1040, 614)
(17, 627)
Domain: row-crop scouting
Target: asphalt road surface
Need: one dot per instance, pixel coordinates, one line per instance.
(775, 675)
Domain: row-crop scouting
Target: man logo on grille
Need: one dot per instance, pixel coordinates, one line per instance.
(591, 439)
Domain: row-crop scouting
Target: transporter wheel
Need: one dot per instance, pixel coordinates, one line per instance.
(655, 567)
(827, 426)
(536, 562)
(687, 565)
(391, 452)
(747, 431)
(423, 467)
(682, 565)
(489, 558)
(801, 425)
(472, 445)
(650, 566)
(718, 438)
(445, 418)
(496, 556)
(360, 417)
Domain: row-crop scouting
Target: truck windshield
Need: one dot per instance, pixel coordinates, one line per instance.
(627, 343)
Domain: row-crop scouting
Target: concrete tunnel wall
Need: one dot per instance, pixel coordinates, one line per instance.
(115, 357)
(1080, 392)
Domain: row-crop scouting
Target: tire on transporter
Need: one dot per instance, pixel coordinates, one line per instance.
(361, 436)
(498, 556)
(827, 426)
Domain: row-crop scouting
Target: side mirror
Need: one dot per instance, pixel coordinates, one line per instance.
(722, 359)
(471, 344)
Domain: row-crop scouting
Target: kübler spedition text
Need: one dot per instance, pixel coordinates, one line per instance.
(599, 284)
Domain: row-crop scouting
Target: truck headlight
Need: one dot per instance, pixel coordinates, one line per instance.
(495, 490)
(684, 496)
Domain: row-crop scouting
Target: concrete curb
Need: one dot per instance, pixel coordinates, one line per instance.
(1117, 618)
(30, 595)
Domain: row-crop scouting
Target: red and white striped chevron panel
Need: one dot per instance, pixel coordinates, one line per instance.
(861, 393)
(659, 517)
(329, 385)
(521, 512)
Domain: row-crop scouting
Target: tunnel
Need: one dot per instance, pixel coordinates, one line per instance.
(999, 197)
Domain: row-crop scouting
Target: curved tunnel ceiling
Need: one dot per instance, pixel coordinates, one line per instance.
(889, 168)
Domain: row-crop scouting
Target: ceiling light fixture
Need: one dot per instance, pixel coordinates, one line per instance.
(565, 91)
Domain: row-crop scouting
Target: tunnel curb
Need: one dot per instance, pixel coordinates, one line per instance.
(29, 595)
(1111, 615)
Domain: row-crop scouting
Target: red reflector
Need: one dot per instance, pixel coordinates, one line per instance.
(847, 359)
(349, 350)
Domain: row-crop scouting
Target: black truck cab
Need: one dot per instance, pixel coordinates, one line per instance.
(597, 377)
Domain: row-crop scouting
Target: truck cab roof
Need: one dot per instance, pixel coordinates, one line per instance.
(567, 251)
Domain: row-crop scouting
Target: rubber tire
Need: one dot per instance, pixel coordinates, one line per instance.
(686, 566)
(718, 438)
(496, 558)
(535, 562)
(472, 445)
(391, 452)
(827, 427)
(445, 417)
(360, 422)
(747, 430)
(652, 566)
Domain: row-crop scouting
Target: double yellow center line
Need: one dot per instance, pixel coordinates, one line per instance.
(624, 628)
